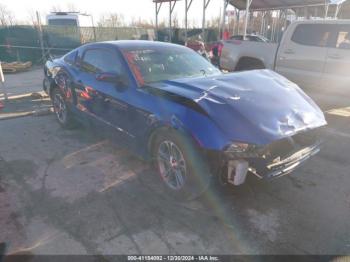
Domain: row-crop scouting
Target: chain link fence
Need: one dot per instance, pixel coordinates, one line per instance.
(22, 43)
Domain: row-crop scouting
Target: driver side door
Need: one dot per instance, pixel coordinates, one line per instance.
(103, 99)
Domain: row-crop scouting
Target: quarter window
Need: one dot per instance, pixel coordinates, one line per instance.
(70, 57)
(343, 39)
(101, 61)
(312, 35)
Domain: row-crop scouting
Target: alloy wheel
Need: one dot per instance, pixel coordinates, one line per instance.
(172, 165)
(60, 108)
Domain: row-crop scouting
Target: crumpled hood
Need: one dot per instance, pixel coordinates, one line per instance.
(257, 106)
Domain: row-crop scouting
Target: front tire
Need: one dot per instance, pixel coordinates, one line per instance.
(61, 110)
(183, 172)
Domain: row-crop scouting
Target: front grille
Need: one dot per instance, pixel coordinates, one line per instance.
(285, 155)
(287, 146)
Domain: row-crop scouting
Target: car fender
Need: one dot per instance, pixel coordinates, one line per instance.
(204, 132)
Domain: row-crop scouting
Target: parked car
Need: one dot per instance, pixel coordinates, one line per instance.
(171, 106)
(311, 53)
(254, 38)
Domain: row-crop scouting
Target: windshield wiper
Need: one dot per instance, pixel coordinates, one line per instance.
(203, 72)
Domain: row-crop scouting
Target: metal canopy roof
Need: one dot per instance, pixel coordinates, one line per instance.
(276, 4)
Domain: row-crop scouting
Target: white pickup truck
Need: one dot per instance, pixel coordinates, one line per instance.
(311, 53)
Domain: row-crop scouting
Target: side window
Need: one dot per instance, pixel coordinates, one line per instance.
(100, 60)
(312, 35)
(70, 57)
(343, 38)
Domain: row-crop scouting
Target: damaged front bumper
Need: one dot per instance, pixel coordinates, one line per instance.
(272, 161)
(280, 167)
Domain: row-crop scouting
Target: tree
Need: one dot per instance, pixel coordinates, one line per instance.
(175, 21)
(142, 23)
(31, 18)
(56, 8)
(70, 7)
(111, 20)
(214, 22)
(6, 16)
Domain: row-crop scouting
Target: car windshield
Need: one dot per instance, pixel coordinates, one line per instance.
(159, 64)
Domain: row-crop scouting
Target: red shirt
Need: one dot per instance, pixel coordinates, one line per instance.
(226, 35)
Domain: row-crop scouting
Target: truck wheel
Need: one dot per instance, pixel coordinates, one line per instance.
(184, 174)
(249, 64)
(62, 113)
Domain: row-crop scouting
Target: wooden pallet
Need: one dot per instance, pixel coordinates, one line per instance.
(15, 67)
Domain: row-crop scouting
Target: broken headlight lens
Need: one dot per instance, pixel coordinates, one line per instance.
(238, 148)
(244, 150)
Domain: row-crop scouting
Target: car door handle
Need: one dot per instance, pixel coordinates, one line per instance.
(289, 51)
(334, 56)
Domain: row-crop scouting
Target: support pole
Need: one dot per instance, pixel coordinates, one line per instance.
(262, 25)
(246, 18)
(2, 82)
(273, 28)
(186, 22)
(205, 5)
(40, 30)
(170, 13)
(238, 20)
(203, 20)
(278, 28)
(223, 18)
(234, 22)
(93, 27)
(337, 11)
(187, 8)
(157, 14)
(171, 9)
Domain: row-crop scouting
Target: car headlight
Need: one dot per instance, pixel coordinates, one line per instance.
(244, 150)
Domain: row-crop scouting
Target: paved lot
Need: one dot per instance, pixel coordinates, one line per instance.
(70, 192)
(22, 83)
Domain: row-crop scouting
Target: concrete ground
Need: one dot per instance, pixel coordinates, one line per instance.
(23, 83)
(71, 192)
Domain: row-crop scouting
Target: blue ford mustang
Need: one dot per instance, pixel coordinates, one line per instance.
(171, 106)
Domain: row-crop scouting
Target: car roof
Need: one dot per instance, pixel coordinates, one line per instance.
(135, 44)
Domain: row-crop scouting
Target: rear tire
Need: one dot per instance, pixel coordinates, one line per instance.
(184, 174)
(61, 110)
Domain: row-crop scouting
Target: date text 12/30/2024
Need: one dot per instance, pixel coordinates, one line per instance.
(173, 258)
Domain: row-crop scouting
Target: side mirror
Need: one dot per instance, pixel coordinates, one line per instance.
(120, 80)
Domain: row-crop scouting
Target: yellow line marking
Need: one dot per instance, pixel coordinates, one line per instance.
(345, 111)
